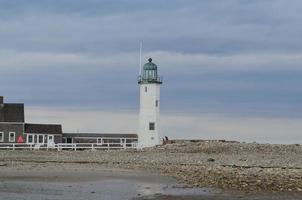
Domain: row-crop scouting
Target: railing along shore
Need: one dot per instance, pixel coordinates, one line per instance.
(68, 146)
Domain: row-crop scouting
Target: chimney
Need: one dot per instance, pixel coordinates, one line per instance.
(1, 99)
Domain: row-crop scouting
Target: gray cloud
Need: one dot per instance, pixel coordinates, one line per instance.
(237, 58)
(263, 85)
(185, 26)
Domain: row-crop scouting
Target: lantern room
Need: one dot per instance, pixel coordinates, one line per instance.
(149, 74)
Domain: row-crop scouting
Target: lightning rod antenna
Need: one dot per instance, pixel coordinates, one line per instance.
(140, 57)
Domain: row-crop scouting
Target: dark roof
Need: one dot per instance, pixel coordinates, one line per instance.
(150, 65)
(12, 112)
(43, 128)
(99, 135)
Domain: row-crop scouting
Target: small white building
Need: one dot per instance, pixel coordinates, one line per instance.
(149, 126)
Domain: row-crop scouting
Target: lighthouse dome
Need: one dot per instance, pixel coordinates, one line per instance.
(150, 65)
(149, 73)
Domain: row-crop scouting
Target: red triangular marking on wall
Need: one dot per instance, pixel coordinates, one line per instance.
(20, 139)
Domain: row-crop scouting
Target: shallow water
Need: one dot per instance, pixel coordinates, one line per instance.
(88, 183)
(82, 183)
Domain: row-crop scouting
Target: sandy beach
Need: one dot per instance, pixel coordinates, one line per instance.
(78, 181)
(185, 170)
(21, 180)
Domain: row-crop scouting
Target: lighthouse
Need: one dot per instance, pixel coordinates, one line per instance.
(149, 82)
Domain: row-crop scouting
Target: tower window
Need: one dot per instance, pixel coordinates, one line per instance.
(146, 89)
(151, 126)
(156, 103)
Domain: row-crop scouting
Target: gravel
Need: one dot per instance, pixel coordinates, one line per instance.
(248, 167)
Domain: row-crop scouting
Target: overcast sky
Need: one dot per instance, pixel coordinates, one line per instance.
(234, 63)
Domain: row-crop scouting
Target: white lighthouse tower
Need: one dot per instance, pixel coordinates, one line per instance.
(149, 82)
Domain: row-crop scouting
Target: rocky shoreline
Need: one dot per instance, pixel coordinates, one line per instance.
(245, 167)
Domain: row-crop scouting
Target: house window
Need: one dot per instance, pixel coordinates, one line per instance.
(151, 126)
(156, 103)
(30, 139)
(146, 89)
(100, 140)
(1, 136)
(12, 136)
(41, 139)
(35, 139)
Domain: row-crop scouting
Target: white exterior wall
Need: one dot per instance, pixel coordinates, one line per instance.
(149, 112)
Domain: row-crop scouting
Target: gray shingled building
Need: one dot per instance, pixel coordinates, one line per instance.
(13, 129)
(11, 121)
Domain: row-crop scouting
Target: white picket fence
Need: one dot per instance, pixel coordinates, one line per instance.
(68, 146)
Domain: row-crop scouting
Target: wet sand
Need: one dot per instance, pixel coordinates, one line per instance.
(246, 167)
(82, 181)
(90, 181)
